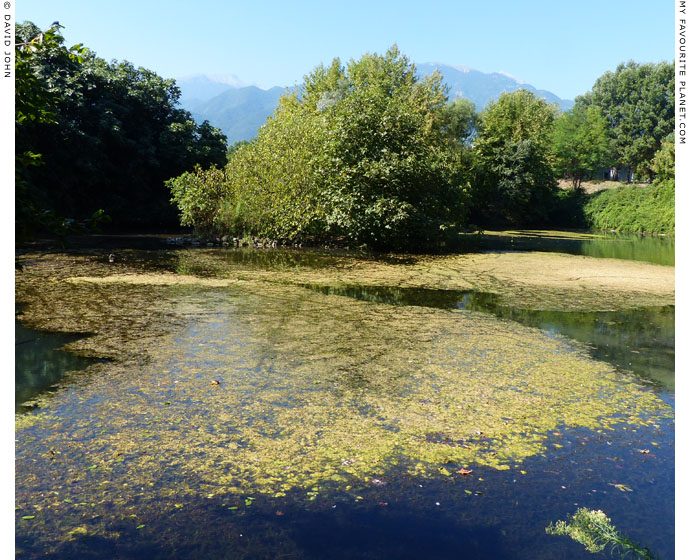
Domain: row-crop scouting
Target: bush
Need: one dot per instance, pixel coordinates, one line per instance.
(198, 196)
(634, 209)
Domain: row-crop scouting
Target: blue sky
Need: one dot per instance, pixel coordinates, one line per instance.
(559, 46)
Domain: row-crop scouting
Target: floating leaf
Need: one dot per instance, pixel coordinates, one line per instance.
(465, 471)
(621, 487)
(28, 517)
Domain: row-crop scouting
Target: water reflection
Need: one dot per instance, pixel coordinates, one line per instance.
(638, 340)
(39, 363)
(645, 248)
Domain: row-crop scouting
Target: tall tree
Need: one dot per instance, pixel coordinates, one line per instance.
(35, 106)
(637, 100)
(115, 136)
(581, 143)
(362, 152)
(514, 181)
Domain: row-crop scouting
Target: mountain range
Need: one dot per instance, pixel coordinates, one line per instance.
(239, 109)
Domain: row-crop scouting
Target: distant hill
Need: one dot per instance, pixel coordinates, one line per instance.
(200, 88)
(240, 111)
(482, 88)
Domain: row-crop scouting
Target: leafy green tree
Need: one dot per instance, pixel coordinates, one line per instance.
(392, 178)
(664, 162)
(581, 143)
(362, 152)
(116, 135)
(276, 189)
(514, 181)
(461, 120)
(197, 195)
(638, 102)
(35, 105)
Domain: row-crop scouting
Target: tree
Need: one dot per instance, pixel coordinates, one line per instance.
(580, 143)
(35, 105)
(361, 152)
(461, 120)
(393, 179)
(664, 162)
(637, 100)
(514, 181)
(116, 135)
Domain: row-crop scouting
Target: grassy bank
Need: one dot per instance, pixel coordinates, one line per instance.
(637, 209)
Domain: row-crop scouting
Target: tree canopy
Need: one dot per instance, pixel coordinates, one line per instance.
(637, 100)
(110, 135)
(581, 143)
(513, 180)
(361, 152)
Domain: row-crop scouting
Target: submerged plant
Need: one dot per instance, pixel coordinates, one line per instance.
(595, 531)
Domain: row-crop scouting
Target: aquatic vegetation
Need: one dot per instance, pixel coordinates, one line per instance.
(246, 383)
(595, 531)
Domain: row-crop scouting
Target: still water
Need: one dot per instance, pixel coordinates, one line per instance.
(40, 362)
(606, 245)
(258, 354)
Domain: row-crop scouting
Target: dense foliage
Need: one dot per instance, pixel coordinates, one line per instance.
(371, 154)
(35, 105)
(640, 209)
(361, 152)
(366, 152)
(514, 182)
(109, 136)
(637, 100)
(581, 143)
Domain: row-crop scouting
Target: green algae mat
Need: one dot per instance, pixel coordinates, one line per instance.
(234, 380)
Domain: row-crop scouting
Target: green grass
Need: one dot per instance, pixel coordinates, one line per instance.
(636, 209)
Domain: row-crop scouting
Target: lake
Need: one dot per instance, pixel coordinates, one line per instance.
(236, 403)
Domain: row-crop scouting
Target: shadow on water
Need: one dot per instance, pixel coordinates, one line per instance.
(39, 362)
(641, 341)
(489, 514)
(645, 248)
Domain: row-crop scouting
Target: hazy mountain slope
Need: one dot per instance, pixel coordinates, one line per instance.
(481, 88)
(197, 89)
(240, 111)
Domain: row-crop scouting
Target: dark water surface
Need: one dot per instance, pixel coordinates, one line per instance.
(489, 514)
(40, 363)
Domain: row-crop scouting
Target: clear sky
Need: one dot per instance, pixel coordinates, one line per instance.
(555, 45)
